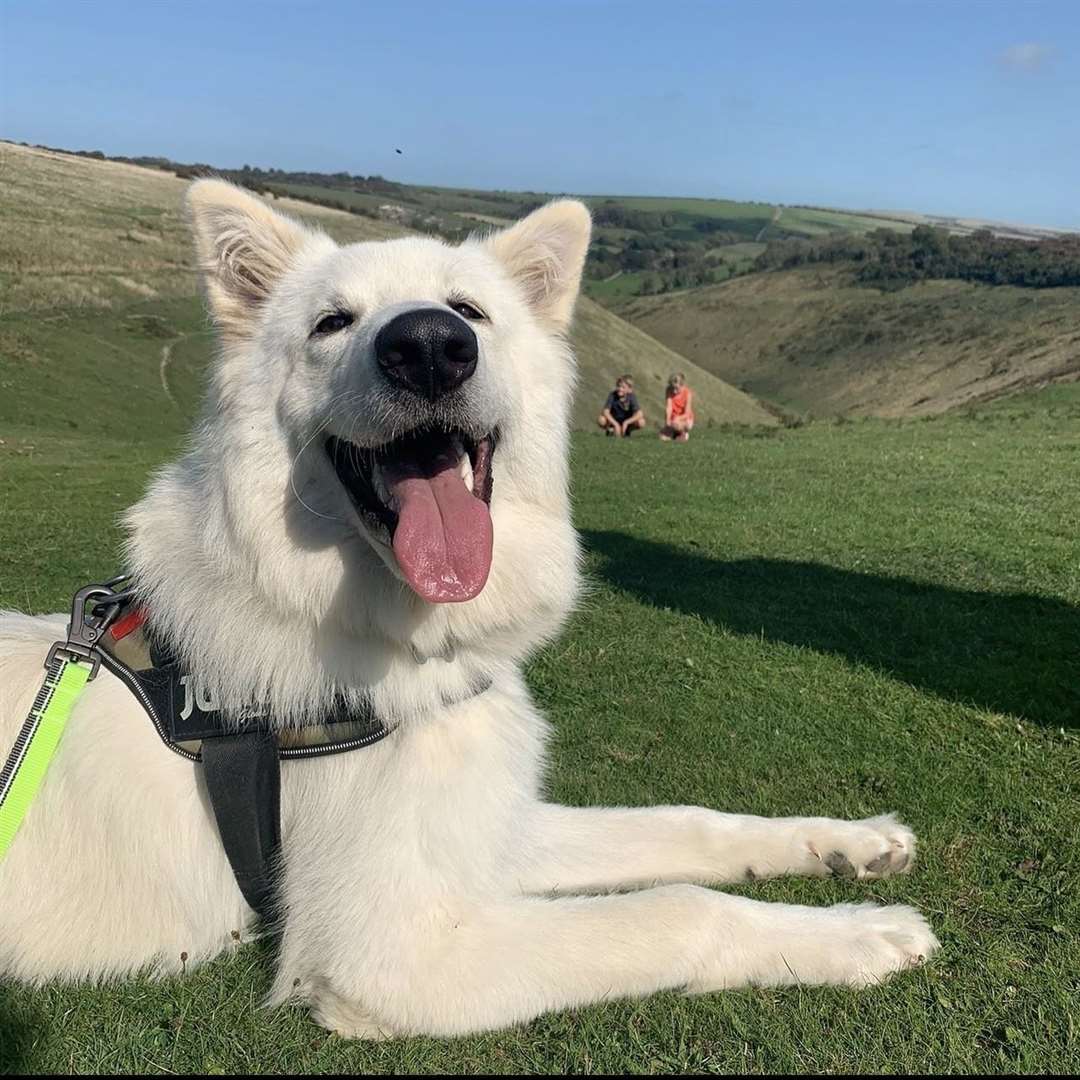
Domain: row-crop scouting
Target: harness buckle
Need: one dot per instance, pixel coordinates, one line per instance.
(84, 632)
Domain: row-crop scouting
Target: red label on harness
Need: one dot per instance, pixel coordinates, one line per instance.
(132, 621)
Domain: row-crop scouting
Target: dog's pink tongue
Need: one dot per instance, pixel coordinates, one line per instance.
(443, 538)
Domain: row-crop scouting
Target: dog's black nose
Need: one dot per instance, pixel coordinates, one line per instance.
(428, 351)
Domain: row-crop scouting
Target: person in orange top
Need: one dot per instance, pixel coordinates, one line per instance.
(679, 418)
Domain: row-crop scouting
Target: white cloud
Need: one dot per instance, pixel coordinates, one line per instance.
(1028, 56)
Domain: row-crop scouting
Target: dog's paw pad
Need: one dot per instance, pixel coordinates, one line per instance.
(872, 848)
(840, 864)
(880, 864)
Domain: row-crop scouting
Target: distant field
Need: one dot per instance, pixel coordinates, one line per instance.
(350, 198)
(614, 291)
(815, 342)
(643, 245)
(431, 214)
(798, 220)
(808, 222)
(500, 204)
(738, 253)
(625, 287)
(965, 225)
(728, 209)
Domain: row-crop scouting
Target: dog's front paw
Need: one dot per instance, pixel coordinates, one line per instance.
(871, 943)
(855, 945)
(872, 848)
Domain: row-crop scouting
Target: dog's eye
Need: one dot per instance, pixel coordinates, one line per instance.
(331, 324)
(467, 310)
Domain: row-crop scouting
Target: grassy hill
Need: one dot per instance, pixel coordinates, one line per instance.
(98, 285)
(607, 346)
(75, 231)
(814, 341)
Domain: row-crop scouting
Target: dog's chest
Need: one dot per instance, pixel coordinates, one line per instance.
(443, 801)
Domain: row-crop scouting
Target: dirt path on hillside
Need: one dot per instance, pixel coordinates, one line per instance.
(765, 228)
(166, 359)
(163, 368)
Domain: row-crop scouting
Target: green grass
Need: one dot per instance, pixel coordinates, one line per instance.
(122, 371)
(836, 619)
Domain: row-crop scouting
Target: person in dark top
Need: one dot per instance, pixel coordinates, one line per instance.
(622, 414)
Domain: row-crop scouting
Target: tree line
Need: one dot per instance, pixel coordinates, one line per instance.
(889, 259)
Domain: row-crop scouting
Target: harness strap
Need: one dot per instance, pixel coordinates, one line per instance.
(36, 743)
(243, 779)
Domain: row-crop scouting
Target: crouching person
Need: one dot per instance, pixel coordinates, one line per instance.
(679, 410)
(622, 414)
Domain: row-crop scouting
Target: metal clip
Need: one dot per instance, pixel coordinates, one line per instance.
(84, 633)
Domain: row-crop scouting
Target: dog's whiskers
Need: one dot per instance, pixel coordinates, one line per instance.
(292, 477)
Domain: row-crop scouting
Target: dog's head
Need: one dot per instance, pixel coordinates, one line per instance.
(406, 398)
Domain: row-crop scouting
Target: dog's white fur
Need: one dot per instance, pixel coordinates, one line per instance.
(428, 886)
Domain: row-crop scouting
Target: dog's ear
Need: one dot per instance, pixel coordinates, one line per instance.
(243, 248)
(545, 253)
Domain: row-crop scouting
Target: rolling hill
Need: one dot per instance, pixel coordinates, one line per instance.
(814, 341)
(641, 244)
(607, 346)
(98, 290)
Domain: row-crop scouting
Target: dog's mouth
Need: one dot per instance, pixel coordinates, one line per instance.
(428, 496)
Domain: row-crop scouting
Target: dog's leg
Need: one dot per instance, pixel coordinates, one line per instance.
(585, 849)
(494, 965)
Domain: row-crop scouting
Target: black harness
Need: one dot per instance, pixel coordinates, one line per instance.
(241, 768)
(241, 760)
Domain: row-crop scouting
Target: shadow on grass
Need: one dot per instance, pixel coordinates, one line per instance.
(16, 1037)
(1011, 653)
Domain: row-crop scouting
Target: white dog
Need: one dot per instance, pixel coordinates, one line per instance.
(386, 431)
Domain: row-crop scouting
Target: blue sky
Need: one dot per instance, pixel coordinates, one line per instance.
(958, 106)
